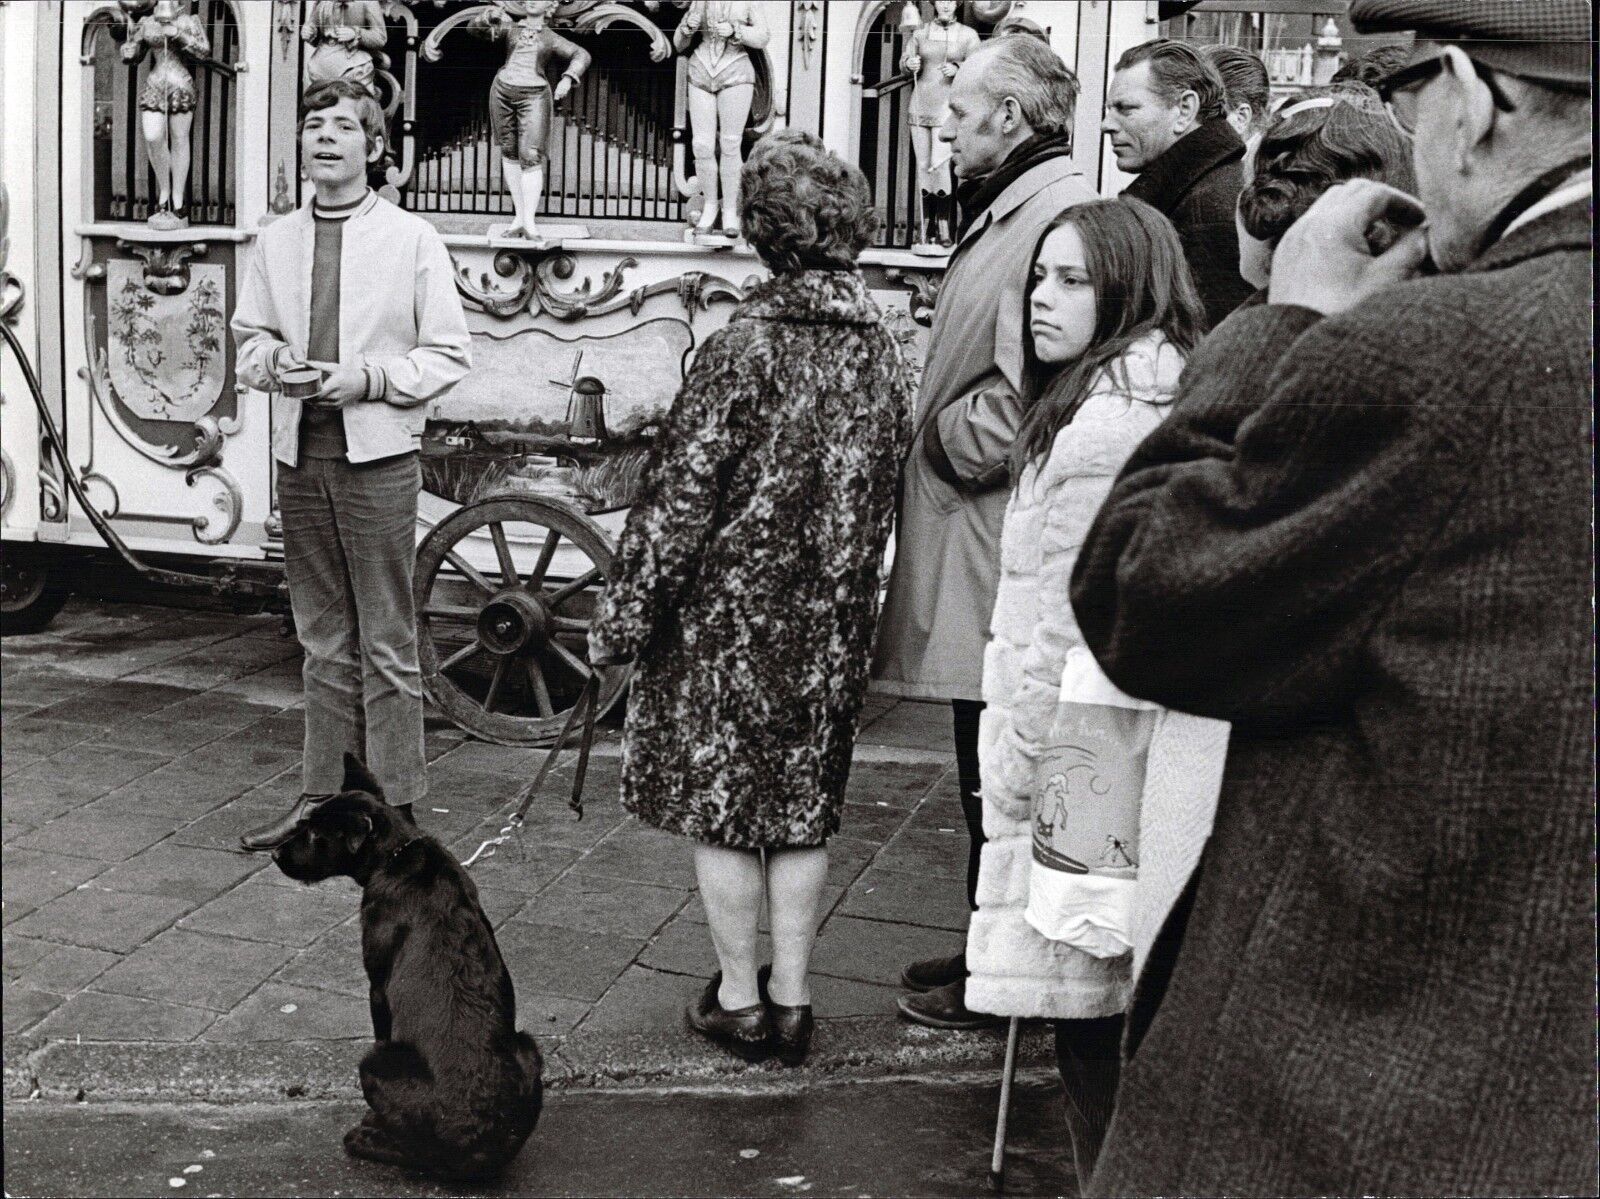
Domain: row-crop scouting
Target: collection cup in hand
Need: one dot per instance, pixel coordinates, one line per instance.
(303, 382)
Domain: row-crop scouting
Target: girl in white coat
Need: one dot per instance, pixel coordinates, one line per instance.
(1110, 315)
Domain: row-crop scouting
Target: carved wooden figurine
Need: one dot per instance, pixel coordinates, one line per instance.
(722, 85)
(520, 99)
(176, 38)
(346, 39)
(933, 53)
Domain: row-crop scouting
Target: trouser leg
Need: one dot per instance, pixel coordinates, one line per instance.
(377, 518)
(324, 609)
(966, 713)
(1088, 1054)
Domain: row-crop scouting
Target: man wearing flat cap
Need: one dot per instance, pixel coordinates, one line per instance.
(1363, 538)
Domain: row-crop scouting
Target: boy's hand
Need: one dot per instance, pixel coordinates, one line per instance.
(344, 386)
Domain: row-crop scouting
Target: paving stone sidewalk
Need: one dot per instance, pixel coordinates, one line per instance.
(144, 956)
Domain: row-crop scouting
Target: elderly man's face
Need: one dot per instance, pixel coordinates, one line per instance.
(1437, 156)
(975, 125)
(1142, 126)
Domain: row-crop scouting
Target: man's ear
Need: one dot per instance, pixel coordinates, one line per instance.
(375, 148)
(1188, 112)
(357, 832)
(1473, 103)
(358, 778)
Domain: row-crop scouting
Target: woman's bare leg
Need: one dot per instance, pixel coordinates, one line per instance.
(179, 127)
(703, 141)
(154, 127)
(733, 110)
(731, 889)
(795, 879)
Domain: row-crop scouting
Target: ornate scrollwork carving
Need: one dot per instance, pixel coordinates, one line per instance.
(585, 16)
(12, 293)
(498, 301)
(536, 289)
(584, 300)
(8, 483)
(229, 502)
(924, 288)
(210, 432)
(166, 268)
(52, 500)
(93, 477)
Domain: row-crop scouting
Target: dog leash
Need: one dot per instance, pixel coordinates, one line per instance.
(582, 717)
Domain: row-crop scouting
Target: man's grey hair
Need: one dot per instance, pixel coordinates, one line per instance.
(1031, 73)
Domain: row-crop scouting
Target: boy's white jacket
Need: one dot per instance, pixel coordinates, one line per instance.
(1014, 970)
(398, 311)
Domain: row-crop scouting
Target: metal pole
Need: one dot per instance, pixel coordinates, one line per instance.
(997, 1162)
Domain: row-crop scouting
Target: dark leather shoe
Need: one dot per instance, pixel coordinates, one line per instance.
(744, 1031)
(934, 973)
(276, 832)
(791, 1026)
(946, 1007)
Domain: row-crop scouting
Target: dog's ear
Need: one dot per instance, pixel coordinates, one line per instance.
(358, 778)
(356, 832)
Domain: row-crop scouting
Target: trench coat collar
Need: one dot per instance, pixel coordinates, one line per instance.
(812, 297)
(1026, 186)
(1168, 179)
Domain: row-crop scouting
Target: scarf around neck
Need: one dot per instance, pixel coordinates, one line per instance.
(975, 195)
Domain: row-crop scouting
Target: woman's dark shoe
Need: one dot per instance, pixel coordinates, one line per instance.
(946, 1007)
(934, 973)
(276, 832)
(744, 1031)
(791, 1026)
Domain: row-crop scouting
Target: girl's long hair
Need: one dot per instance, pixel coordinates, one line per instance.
(1141, 284)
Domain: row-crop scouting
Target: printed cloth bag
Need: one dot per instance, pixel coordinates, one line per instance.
(1086, 802)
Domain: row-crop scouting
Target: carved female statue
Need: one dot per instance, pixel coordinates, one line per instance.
(166, 102)
(933, 52)
(520, 102)
(722, 85)
(346, 39)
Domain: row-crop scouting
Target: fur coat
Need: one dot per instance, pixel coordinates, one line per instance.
(746, 580)
(1015, 971)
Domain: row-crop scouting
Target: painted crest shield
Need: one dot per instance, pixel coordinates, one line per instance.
(165, 353)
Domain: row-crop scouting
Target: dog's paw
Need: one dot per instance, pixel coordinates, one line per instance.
(370, 1143)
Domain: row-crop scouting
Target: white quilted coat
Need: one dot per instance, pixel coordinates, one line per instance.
(1014, 970)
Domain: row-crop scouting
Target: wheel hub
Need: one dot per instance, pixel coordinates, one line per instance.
(512, 622)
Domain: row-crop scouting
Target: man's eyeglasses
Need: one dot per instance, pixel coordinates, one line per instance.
(1399, 89)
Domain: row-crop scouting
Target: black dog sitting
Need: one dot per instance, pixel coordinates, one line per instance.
(454, 1088)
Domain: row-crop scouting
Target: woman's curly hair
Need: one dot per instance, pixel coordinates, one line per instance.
(1303, 154)
(802, 207)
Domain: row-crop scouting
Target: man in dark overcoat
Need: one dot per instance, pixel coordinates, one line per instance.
(1166, 120)
(1363, 537)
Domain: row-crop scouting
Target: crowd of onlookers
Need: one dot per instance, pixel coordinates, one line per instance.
(1242, 519)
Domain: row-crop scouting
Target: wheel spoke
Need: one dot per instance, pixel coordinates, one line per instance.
(569, 624)
(578, 665)
(502, 551)
(451, 612)
(500, 669)
(562, 594)
(461, 655)
(470, 571)
(541, 692)
(546, 552)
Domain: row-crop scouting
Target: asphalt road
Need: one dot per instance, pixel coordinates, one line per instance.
(879, 1138)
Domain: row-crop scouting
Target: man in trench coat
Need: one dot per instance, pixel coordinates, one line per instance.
(1011, 111)
(1363, 537)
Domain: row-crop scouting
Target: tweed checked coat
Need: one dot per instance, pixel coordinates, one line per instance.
(746, 580)
(1365, 541)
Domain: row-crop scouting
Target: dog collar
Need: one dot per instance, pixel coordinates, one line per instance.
(403, 848)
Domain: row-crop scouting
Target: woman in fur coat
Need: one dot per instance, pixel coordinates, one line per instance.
(746, 585)
(1111, 314)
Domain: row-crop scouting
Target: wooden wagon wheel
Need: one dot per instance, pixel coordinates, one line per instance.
(504, 653)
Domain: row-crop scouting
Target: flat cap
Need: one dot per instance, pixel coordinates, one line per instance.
(1550, 41)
